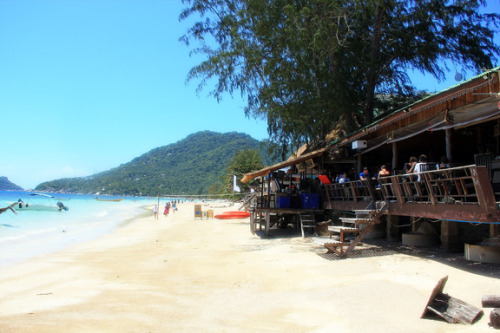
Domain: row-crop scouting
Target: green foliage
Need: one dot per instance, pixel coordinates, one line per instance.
(243, 162)
(7, 185)
(308, 66)
(190, 166)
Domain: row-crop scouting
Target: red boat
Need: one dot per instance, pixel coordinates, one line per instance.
(232, 215)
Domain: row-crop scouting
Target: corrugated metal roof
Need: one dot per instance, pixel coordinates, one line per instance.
(411, 106)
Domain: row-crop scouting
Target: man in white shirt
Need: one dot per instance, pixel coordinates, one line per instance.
(420, 166)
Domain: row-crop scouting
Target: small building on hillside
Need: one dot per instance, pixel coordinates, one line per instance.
(459, 126)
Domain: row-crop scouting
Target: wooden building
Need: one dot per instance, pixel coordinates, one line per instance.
(461, 123)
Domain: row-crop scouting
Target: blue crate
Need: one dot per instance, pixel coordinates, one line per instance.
(309, 200)
(284, 202)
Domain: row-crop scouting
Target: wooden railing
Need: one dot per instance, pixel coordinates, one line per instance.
(455, 185)
(448, 186)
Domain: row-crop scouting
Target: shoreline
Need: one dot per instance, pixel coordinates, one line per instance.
(183, 274)
(41, 233)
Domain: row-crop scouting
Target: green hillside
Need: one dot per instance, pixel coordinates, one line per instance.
(189, 166)
(7, 185)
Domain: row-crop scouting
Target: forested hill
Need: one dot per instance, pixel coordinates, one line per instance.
(189, 166)
(7, 185)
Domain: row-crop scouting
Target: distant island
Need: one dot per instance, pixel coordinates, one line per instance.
(189, 166)
(7, 185)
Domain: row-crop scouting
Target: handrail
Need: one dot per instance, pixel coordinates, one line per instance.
(447, 186)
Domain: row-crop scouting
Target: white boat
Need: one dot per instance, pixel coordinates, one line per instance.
(40, 202)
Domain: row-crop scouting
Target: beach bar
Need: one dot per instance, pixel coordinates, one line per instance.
(460, 200)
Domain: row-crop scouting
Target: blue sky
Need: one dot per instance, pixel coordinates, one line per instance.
(87, 85)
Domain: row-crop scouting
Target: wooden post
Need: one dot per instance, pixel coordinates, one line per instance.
(449, 144)
(494, 230)
(268, 220)
(268, 191)
(359, 166)
(449, 235)
(391, 230)
(394, 155)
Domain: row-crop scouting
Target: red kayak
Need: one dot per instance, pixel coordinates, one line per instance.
(232, 215)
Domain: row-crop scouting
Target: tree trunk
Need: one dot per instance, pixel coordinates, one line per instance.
(372, 73)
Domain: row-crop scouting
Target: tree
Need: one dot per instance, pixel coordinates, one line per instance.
(243, 162)
(308, 66)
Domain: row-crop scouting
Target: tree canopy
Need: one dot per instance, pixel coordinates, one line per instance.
(243, 162)
(309, 66)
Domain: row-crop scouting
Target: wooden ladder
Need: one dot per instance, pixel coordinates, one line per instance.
(247, 199)
(307, 221)
(369, 216)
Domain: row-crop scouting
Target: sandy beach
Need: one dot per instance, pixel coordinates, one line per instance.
(184, 274)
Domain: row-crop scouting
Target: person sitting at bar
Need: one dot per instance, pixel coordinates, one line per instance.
(421, 166)
(444, 164)
(409, 167)
(383, 172)
(344, 178)
(365, 175)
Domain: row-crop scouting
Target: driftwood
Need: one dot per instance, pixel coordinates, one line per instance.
(495, 318)
(491, 301)
(449, 308)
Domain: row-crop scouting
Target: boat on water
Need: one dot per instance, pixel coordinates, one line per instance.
(40, 202)
(232, 215)
(115, 200)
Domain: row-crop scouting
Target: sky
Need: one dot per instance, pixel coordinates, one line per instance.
(87, 85)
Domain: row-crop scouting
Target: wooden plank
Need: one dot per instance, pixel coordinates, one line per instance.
(437, 289)
(454, 310)
(449, 308)
(356, 220)
(343, 229)
(335, 247)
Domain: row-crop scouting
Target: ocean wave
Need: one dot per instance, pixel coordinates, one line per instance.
(26, 235)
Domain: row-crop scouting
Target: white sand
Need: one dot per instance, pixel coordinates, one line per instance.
(181, 274)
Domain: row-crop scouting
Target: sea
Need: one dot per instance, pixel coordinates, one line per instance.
(31, 233)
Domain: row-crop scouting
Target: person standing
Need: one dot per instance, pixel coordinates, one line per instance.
(155, 211)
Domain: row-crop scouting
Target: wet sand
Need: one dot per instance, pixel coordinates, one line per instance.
(184, 274)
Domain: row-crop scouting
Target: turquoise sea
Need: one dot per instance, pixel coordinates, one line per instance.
(31, 233)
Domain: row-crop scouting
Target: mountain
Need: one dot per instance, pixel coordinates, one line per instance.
(189, 166)
(7, 185)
